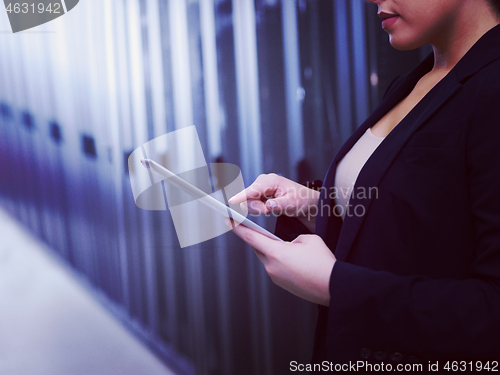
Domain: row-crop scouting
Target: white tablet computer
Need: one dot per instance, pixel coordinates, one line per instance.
(203, 197)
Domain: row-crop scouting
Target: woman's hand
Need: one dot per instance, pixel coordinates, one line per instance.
(273, 193)
(303, 267)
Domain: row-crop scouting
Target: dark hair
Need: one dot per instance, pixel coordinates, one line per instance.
(495, 4)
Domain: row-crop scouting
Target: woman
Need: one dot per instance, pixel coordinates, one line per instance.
(409, 271)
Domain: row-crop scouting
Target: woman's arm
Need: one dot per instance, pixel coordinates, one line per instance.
(435, 318)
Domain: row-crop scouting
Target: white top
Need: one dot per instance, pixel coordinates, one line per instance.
(349, 167)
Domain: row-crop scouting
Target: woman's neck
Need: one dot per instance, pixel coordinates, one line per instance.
(469, 26)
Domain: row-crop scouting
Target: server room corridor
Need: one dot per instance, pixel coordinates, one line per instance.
(51, 323)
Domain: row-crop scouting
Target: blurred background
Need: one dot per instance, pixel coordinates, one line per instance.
(271, 86)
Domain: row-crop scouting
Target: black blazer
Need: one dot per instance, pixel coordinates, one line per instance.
(417, 276)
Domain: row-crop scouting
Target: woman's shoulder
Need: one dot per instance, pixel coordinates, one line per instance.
(481, 64)
(483, 87)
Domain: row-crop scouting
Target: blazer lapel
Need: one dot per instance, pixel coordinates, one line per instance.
(374, 169)
(328, 226)
(340, 236)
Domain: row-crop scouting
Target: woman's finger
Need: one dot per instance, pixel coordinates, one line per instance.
(256, 207)
(254, 191)
(263, 187)
(260, 255)
(279, 205)
(304, 238)
(243, 195)
(257, 241)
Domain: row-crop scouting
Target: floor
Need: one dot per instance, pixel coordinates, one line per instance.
(50, 324)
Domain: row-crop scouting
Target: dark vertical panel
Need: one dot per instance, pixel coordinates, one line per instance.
(239, 309)
(294, 92)
(184, 62)
(55, 185)
(170, 278)
(313, 114)
(343, 62)
(319, 108)
(283, 328)
(360, 61)
(151, 268)
(142, 284)
(227, 79)
(272, 88)
(8, 191)
(112, 167)
(247, 85)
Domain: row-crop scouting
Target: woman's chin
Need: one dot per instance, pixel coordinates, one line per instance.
(404, 44)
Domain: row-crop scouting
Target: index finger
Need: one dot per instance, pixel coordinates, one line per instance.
(255, 239)
(243, 195)
(251, 192)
